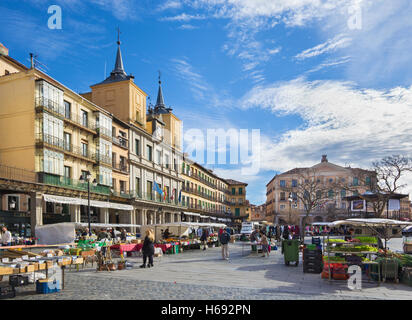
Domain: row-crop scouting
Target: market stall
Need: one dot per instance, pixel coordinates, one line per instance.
(362, 250)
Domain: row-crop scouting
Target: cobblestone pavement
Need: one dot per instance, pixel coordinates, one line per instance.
(204, 275)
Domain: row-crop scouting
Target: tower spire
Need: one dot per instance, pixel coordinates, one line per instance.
(160, 101)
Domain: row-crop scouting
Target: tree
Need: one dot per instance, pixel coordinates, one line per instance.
(309, 190)
(383, 180)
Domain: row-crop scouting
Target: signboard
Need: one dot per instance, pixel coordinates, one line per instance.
(247, 228)
(358, 205)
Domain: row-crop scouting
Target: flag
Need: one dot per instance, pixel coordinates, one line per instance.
(164, 192)
(180, 196)
(157, 188)
(173, 194)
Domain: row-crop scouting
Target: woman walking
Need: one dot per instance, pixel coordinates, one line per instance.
(265, 244)
(148, 249)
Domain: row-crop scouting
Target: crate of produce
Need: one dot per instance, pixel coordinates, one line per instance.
(75, 251)
(7, 291)
(340, 272)
(18, 280)
(46, 286)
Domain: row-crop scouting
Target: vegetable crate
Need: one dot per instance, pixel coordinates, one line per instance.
(47, 286)
(290, 250)
(389, 269)
(407, 276)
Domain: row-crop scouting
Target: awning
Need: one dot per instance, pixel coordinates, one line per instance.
(371, 223)
(93, 203)
(191, 214)
(204, 217)
(105, 225)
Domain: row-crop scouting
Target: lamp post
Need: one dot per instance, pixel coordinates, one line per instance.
(290, 206)
(83, 178)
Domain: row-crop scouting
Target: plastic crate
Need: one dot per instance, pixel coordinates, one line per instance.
(315, 263)
(18, 280)
(47, 286)
(312, 269)
(316, 240)
(312, 253)
(7, 291)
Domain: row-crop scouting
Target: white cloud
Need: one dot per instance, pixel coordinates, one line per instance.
(187, 27)
(338, 42)
(184, 17)
(170, 4)
(352, 125)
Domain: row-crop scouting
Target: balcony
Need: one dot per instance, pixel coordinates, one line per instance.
(199, 193)
(105, 133)
(121, 142)
(64, 182)
(101, 159)
(152, 197)
(43, 139)
(122, 167)
(79, 121)
(53, 107)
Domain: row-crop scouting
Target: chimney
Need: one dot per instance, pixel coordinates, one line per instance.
(3, 50)
(324, 158)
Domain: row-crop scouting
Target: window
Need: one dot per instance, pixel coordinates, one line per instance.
(114, 183)
(318, 194)
(167, 161)
(343, 205)
(282, 207)
(282, 196)
(122, 163)
(67, 174)
(85, 119)
(282, 183)
(137, 187)
(237, 212)
(330, 180)
(368, 181)
(149, 187)
(149, 152)
(6, 72)
(13, 203)
(67, 141)
(355, 181)
(113, 160)
(158, 157)
(113, 132)
(330, 194)
(240, 191)
(84, 174)
(343, 194)
(294, 183)
(137, 146)
(67, 109)
(233, 190)
(294, 196)
(84, 149)
(122, 186)
(175, 164)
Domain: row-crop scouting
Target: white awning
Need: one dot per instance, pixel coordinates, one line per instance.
(204, 217)
(191, 214)
(93, 203)
(370, 223)
(105, 225)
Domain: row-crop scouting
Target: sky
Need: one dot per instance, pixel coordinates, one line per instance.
(314, 76)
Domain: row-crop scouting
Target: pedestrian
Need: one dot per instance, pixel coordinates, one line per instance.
(123, 235)
(102, 235)
(6, 237)
(265, 244)
(203, 238)
(224, 239)
(286, 233)
(148, 249)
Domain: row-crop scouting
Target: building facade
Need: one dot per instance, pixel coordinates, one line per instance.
(283, 205)
(58, 148)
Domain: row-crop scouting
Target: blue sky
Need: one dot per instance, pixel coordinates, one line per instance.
(316, 77)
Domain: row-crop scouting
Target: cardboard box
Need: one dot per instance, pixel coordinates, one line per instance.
(42, 266)
(30, 268)
(6, 270)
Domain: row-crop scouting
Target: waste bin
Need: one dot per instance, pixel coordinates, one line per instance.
(390, 268)
(290, 250)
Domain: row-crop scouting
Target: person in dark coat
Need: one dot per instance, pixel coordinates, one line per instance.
(203, 238)
(148, 249)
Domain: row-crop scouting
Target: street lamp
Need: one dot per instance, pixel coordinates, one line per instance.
(83, 178)
(290, 206)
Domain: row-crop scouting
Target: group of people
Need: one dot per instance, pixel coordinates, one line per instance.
(104, 233)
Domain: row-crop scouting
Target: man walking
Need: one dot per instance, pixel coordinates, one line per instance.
(224, 241)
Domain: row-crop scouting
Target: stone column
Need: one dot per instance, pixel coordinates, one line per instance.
(132, 221)
(74, 210)
(36, 211)
(104, 215)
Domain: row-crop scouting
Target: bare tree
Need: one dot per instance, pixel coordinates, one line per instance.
(382, 180)
(309, 190)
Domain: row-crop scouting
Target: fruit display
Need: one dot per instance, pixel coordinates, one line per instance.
(361, 248)
(367, 239)
(336, 241)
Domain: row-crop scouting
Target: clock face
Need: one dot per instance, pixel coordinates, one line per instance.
(158, 133)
